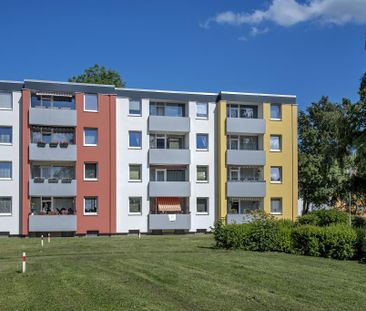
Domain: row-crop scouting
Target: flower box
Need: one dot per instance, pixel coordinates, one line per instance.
(41, 144)
(66, 180)
(38, 180)
(53, 144)
(64, 144)
(52, 180)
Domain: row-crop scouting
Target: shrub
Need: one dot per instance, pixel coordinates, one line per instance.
(283, 241)
(361, 245)
(231, 236)
(323, 218)
(358, 222)
(306, 240)
(262, 235)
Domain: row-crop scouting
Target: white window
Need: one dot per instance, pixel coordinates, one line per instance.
(202, 142)
(135, 205)
(202, 205)
(135, 172)
(160, 175)
(275, 143)
(233, 142)
(91, 102)
(90, 137)
(202, 110)
(90, 206)
(276, 206)
(275, 112)
(5, 206)
(276, 174)
(5, 101)
(90, 171)
(6, 135)
(134, 107)
(202, 173)
(5, 170)
(234, 174)
(134, 139)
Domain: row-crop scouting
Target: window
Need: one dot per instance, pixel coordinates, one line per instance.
(90, 137)
(90, 171)
(242, 111)
(202, 173)
(134, 205)
(56, 102)
(169, 110)
(134, 107)
(275, 112)
(202, 205)
(90, 206)
(134, 139)
(276, 206)
(5, 101)
(135, 172)
(275, 144)
(5, 170)
(6, 135)
(202, 110)
(5, 206)
(276, 174)
(202, 141)
(91, 102)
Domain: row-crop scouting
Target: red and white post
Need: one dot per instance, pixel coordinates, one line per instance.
(42, 240)
(49, 237)
(24, 262)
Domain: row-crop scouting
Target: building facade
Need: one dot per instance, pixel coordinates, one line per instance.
(95, 159)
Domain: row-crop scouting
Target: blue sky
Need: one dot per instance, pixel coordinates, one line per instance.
(309, 49)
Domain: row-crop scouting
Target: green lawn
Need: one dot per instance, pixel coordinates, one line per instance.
(171, 273)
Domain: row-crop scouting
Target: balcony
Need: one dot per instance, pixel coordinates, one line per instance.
(246, 157)
(169, 124)
(47, 153)
(52, 223)
(169, 221)
(245, 126)
(52, 187)
(169, 156)
(52, 116)
(239, 218)
(169, 189)
(246, 189)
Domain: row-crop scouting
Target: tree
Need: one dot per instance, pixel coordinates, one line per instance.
(99, 75)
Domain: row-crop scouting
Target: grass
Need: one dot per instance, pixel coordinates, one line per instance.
(171, 273)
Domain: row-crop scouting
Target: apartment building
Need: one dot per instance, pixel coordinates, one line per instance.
(95, 159)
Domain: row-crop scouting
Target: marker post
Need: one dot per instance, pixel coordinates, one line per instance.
(42, 240)
(24, 262)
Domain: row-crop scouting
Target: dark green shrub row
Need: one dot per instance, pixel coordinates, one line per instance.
(323, 218)
(337, 241)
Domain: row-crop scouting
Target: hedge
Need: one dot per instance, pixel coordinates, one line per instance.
(336, 241)
(323, 218)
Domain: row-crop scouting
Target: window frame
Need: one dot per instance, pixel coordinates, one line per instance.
(201, 117)
(90, 213)
(11, 101)
(281, 175)
(129, 141)
(11, 171)
(280, 108)
(207, 206)
(270, 207)
(129, 109)
(129, 172)
(91, 110)
(11, 206)
(202, 149)
(207, 174)
(97, 171)
(129, 207)
(90, 145)
(280, 140)
(11, 135)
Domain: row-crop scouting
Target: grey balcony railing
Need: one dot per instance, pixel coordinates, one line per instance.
(169, 221)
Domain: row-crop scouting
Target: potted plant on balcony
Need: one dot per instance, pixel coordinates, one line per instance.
(53, 144)
(64, 144)
(52, 180)
(66, 180)
(52, 213)
(41, 144)
(38, 180)
(42, 213)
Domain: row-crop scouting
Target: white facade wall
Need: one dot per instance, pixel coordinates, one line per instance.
(10, 188)
(204, 158)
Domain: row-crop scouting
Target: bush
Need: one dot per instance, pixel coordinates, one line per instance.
(358, 222)
(323, 218)
(231, 236)
(283, 241)
(306, 240)
(262, 235)
(361, 245)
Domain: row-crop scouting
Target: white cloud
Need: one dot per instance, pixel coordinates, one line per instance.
(255, 31)
(242, 38)
(290, 12)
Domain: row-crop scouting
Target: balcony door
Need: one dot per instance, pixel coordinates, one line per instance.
(160, 175)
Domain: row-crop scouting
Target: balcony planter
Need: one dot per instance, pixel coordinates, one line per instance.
(53, 144)
(38, 180)
(64, 144)
(41, 144)
(52, 180)
(66, 180)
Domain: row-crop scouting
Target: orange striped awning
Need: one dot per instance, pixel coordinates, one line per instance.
(166, 204)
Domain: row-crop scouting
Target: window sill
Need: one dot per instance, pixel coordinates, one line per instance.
(6, 144)
(134, 115)
(275, 119)
(134, 148)
(90, 179)
(202, 181)
(201, 118)
(201, 150)
(6, 214)
(90, 214)
(6, 179)
(276, 182)
(276, 213)
(89, 145)
(6, 109)
(85, 110)
(134, 214)
(202, 214)
(274, 150)
(134, 181)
